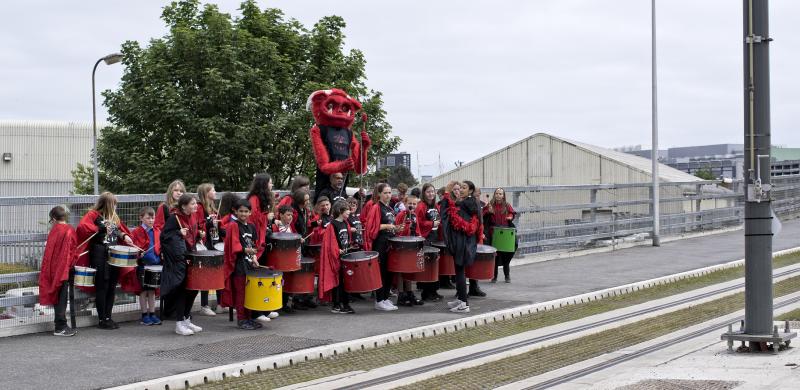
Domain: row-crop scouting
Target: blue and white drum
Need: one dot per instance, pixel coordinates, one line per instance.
(122, 256)
(84, 276)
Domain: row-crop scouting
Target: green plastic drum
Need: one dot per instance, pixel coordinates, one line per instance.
(503, 239)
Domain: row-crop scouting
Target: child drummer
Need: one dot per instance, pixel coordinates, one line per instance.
(240, 257)
(406, 220)
(60, 254)
(336, 242)
(146, 236)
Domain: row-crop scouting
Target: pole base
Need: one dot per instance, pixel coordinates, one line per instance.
(775, 342)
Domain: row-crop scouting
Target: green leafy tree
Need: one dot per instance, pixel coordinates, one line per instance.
(705, 174)
(393, 176)
(220, 99)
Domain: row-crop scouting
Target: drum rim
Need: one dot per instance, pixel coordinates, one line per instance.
(373, 255)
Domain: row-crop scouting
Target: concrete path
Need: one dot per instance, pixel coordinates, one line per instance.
(98, 358)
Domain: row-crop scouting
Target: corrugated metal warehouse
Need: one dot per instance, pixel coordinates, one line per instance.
(41, 156)
(544, 159)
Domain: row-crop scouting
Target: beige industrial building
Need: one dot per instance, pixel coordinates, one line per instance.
(546, 160)
(38, 156)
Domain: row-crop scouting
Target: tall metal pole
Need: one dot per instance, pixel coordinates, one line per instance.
(757, 215)
(654, 115)
(94, 134)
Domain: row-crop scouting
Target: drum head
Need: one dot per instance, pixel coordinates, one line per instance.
(220, 246)
(438, 244)
(282, 240)
(123, 249)
(360, 256)
(207, 257)
(263, 273)
(154, 268)
(486, 249)
(307, 260)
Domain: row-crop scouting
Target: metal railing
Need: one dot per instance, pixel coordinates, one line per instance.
(550, 218)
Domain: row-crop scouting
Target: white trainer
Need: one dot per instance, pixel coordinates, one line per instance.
(194, 328)
(182, 330)
(273, 314)
(455, 303)
(384, 305)
(206, 311)
(263, 319)
(462, 308)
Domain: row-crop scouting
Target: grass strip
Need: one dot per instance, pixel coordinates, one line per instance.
(793, 315)
(540, 361)
(396, 353)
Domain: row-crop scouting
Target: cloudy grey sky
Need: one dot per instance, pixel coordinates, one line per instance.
(461, 78)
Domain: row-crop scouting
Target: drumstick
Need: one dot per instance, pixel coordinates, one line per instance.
(140, 249)
(179, 221)
(309, 235)
(82, 253)
(87, 240)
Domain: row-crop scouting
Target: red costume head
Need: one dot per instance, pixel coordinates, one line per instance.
(333, 107)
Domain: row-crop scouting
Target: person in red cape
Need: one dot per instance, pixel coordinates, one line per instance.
(261, 200)
(320, 220)
(379, 228)
(147, 237)
(298, 183)
(499, 213)
(208, 217)
(334, 144)
(406, 221)
(240, 252)
(336, 241)
(428, 221)
(365, 214)
(174, 192)
(100, 228)
(60, 255)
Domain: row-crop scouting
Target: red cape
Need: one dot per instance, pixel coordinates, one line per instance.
(424, 225)
(60, 254)
(232, 247)
(259, 219)
(372, 225)
(140, 239)
(161, 218)
(329, 262)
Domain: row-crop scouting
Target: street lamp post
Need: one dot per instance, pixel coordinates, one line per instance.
(109, 59)
(654, 150)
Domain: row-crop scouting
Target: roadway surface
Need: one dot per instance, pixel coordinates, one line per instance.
(99, 358)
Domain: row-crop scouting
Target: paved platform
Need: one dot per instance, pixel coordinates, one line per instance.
(98, 358)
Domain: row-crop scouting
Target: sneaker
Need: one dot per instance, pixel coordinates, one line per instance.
(257, 324)
(508, 279)
(66, 332)
(494, 279)
(273, 314)
(455, 303)
(181, 329)
(146, 320)
(461, 308)
(336, 309)
(194, 328)
(385, 305)
(393, 292)
(476, 292)
(221, 310)
(206, 311)
(246, 325)
(155, 320)
(103, 324)
(288, 309)
(348, 310)
(263, 319)
(389, 305)
(111, 324)
(310, 303)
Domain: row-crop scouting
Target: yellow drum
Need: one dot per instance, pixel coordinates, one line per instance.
(262, 291)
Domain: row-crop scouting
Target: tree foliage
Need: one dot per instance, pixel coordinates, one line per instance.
(393, 176)
(220, 99)
(705, 174)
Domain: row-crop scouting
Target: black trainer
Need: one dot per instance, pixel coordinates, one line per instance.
(66, 332)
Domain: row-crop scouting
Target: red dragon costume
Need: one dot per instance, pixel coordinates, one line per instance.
(335, 147)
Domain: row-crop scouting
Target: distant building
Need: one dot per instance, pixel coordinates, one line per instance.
(38, 156)
(426, 179)
(395, 160)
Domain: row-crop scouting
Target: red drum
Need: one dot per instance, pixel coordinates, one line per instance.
(302, 281)
(405, 254)
(362, 272)
(205, 271)
(483, 267)
(431, 272)
(447, 264)
(284, 254)
(313, 251)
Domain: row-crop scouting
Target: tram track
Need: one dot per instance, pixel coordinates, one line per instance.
(522, 345)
